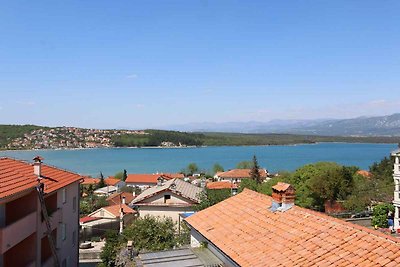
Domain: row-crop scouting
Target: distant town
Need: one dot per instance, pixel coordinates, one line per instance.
(68, 138)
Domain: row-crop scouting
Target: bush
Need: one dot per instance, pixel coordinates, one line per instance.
(379, 217)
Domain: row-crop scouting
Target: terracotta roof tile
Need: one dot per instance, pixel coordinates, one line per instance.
(89, 180)
(116, 198)
(151, 178)
(111, 181)
(17, 176)
(115, 209)
(221, 185)
(297, 237)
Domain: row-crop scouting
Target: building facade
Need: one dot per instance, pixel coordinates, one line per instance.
(396, 178)
(23, 238)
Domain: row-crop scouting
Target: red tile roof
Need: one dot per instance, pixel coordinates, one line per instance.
(240, 173)
(114, 209)
(364, 173)
(17, 176)
(116, 198)
(147, 178)
(281, 186)
(221, 185)
(296, 237)
(112, 181)
(87, 219)
(89, 180)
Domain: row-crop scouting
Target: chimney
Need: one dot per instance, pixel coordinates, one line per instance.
(283, 196)
(160, 181)
(123, 200)
(121, 220)
(37, 166)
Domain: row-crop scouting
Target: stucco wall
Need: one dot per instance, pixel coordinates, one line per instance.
(159, 198)
(69, 250)
(161, 211)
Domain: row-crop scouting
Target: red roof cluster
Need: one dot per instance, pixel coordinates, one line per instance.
(296, 237)
(17, 176)
(151, 178)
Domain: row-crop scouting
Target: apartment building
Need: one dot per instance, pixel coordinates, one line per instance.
(23, 230)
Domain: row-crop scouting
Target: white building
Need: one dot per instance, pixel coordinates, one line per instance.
(396, 177)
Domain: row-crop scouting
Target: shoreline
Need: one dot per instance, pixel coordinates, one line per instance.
(184, 147)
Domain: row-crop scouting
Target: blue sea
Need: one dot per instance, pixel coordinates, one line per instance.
(150, 160)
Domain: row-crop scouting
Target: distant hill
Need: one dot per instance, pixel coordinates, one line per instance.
(362, 126)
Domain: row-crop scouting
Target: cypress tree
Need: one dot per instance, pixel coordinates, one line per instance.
(255, 171)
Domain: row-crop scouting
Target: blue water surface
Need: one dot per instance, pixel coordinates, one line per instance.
(151, 160)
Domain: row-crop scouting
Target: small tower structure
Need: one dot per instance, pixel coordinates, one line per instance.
(283, 196)
(396, 178)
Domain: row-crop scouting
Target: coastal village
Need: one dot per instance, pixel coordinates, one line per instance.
(66, 219)
(68, 138)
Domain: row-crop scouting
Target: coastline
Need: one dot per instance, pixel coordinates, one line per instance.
(186, 147)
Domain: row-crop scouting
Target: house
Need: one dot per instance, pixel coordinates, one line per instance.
(236, 175)
(23, 239)
(272, 231)
(144, 181)
(111, 181)
(105, 191)
(364, 173)
(122, 197)
(169, 199)
(113, 213)
(106, 218)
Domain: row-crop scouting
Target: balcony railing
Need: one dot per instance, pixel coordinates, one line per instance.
(14, 233)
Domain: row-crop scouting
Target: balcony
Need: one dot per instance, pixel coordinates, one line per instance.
(17, 231)
(55, 218)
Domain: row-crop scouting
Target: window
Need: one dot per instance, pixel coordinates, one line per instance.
(166, 198)
(64, 263)
(63, 231)
(74, 204)
(64, 195)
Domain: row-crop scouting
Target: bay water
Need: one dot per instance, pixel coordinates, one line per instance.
(151, 160)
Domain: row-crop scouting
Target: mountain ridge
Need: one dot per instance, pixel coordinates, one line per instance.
(388, 125)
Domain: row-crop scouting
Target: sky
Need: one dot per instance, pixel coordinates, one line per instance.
(148, 64)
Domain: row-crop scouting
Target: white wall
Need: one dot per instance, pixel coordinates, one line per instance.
(68, 249)
(161, 211)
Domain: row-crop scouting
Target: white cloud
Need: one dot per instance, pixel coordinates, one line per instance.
(131, 76)
(139, 106)
(25, 102)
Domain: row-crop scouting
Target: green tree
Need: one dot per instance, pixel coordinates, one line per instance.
(211, 197)
(380, 215)
(111, 248)
(244, 165)
(217, 168)
(101, 182)
(119, 175)
(192, 168)
(152, 233)
(249, 184)
(255, 171)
